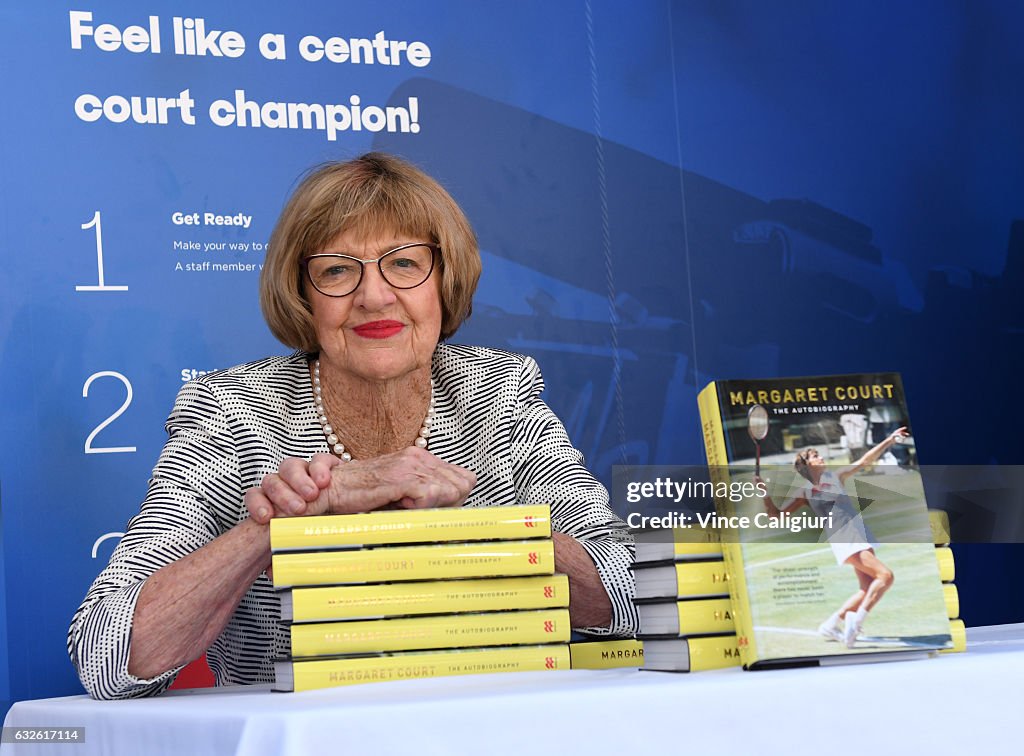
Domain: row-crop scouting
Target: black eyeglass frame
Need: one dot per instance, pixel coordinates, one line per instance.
(435, 253)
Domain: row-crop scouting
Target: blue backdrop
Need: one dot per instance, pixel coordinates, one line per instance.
(666, 193)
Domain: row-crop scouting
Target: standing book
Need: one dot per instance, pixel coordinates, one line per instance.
(829, 547)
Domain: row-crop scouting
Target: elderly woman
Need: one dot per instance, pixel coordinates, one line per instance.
(371, 268)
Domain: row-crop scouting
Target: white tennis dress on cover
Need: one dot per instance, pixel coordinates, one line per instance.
(848, 534)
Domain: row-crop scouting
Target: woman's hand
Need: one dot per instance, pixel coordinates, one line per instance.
(897, 436)
(589, 605)
(290, 490)
(412, 478)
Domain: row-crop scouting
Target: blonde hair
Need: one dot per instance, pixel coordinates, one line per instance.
(375, 194)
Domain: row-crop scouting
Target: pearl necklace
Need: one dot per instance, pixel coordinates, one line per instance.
(332, 438)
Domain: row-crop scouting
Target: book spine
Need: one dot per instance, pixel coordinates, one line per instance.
(687, 545)
(732, 551)
(329, 673)
(706, 616)
(445, 631)
(958, 632)
(318, 604)
(443, 524)
(700, 579)
(938, 521)
(614, 654)
(463, 560)
(952, 598)
(947, 567)
(714, 652)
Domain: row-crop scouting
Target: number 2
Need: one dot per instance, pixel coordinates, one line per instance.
(89, 448)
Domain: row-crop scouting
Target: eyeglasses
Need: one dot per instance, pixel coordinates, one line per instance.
(404, 267)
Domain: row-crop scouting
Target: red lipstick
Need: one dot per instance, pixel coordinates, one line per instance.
(378, 329)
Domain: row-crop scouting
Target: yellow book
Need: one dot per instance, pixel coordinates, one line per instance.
(441, 631)
(947, 567)
(958, 631)
(691, 654)
(393, 526)
(798, 439)
(690, 617)
(732, 551)
(952, 599)
(682, 580)
(396, 563)
(343, 602)
(677, 544)
(609, 654)
(938, 520)
(313, 674)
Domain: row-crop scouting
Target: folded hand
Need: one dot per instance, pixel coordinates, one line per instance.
(412, 478)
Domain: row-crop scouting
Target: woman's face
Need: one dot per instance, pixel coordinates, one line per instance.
(377, 332)
(813, 459)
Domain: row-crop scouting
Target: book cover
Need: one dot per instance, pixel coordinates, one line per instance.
(313, 674)
(441, 631)
(606, 654)
(343, 602)
(690, 617)
(829, 544)
(697, 543)
(692, 654)
(428, 562)
(394, 526)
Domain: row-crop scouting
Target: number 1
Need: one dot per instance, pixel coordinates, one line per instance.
(95, 223)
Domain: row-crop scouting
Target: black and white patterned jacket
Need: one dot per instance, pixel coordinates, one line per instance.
(230, 428)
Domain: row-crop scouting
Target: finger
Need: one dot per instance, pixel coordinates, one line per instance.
(433, 493)
(260, 508)
(467, 476)
(422, 461)
(295, 473)
(320, 467)
(458, 482)
(283, 498)
(470, 477)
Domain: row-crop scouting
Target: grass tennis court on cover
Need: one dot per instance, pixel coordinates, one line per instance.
(910, 615)
(795, 586)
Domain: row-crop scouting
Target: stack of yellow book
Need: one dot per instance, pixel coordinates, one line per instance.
(939, 522)
(686, 616)
(401, 594)
(682, 597)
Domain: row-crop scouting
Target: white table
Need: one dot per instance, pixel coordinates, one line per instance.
(954, 704)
